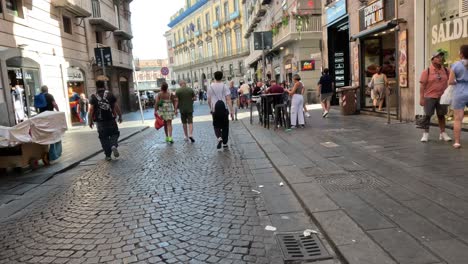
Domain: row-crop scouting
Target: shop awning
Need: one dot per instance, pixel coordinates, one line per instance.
(388, 25)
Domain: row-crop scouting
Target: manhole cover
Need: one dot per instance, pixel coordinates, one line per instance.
(352, 181)
(295, 246)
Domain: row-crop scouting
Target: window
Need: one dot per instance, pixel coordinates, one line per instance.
(238, 40)
(220, 46)
(207, 20)
(236, 5)
(226, 10)
(210, 49)
(14, 7)
(241, 68)
(169, 43)
(228, 43)
(200, 51)
(98, 37)
(188, 3)
(217, 14)
(198, 25)
(175, 38)
(171, 60)
(67, 24)
(117, 15)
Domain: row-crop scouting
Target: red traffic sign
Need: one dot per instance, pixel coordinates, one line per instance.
(164, 71)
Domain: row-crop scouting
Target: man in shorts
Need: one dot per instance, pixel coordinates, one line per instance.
(325, 91)
(234, 98)
(185, 97)
(434, 81)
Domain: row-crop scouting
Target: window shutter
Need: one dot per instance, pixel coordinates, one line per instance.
(463, 8)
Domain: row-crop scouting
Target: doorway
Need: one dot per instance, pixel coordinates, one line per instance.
(125, 94)
(338, 55)
(24, 80)
(379, 51)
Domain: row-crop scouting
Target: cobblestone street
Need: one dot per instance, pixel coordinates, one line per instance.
(159, 203)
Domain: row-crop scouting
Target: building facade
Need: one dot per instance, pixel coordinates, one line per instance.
(50, 43)
(295, 45)
(149, 76)
(207, 36)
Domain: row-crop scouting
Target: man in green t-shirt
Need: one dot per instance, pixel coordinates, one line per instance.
(185, 97)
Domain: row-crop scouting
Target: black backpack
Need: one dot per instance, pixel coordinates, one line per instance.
(104, 110)
(219, 107)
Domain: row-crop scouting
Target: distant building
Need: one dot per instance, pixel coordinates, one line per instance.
(148, 74)
(207, 36)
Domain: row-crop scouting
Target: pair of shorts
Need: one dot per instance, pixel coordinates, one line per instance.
(460, 98)
(186, 118)
(433, 104)
(326, 97)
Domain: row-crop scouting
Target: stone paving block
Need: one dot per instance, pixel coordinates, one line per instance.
(21, 189)
(365, 253)
(400, 193)
(283, 204)
(402, 247)
(291, 222)
(452, 250)
(445, 219)
(313, 196)
(341, 228)
(268, 177)
(293, 174)
(366, 216)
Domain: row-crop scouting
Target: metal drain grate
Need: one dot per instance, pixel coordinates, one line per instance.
(295, 246)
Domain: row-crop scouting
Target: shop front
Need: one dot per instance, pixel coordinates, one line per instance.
(24, 81)
(377, 47)
(447, 30)
(338, 44)
(76, 87)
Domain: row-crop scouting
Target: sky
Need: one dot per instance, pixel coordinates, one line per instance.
(149, 23)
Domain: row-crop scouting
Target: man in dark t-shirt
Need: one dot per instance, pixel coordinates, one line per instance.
(51, 104)
(325, 91)
(103, 110)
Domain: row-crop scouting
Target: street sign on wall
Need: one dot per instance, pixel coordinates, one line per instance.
(267, 40)
(164, 71)
(106, 56)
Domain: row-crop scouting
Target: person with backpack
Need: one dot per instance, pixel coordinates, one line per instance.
(103, 109)
(434, 81)
(45, 101)
(219, 101)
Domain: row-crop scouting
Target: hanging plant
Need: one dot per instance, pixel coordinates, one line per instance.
(285, 20)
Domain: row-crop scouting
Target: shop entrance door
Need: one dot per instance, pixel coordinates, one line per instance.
(125, 94)
(379, 52)
(338, 55)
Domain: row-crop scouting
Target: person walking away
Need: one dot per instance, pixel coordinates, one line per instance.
(234, 98)
(166, 107)
(83, 108)
(185, 97)
(244, 90)
(434, 81)
(219, 101)
(297, 101)
(379, 84)
(325, 91)
(45, 101)
(200, 96)
(459, 78)
(103, 109)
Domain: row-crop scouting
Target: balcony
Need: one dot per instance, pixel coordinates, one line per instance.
(103, 17)
(312, 29)
(79, 8)
(125, 30)
(122, 59)
(233, 54)
(234, 15)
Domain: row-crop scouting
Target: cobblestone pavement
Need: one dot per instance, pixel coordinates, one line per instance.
(158, 203)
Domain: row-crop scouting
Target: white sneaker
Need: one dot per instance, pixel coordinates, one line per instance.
(445, 137)
(325, 114)
(425, 137)
(115, 151)
(307, 114)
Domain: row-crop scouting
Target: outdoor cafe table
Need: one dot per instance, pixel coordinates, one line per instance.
(266, 100)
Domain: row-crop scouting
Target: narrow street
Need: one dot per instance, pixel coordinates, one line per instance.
(158, 203)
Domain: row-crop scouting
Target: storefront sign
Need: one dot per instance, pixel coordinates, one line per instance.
(403, 58)
(308, 65)
(75, 75)
(450, 30)
(374, 13)
(339, 59)
(103, 54)
(336, 10)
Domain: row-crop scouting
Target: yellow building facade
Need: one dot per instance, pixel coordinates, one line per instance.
(207, 36)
